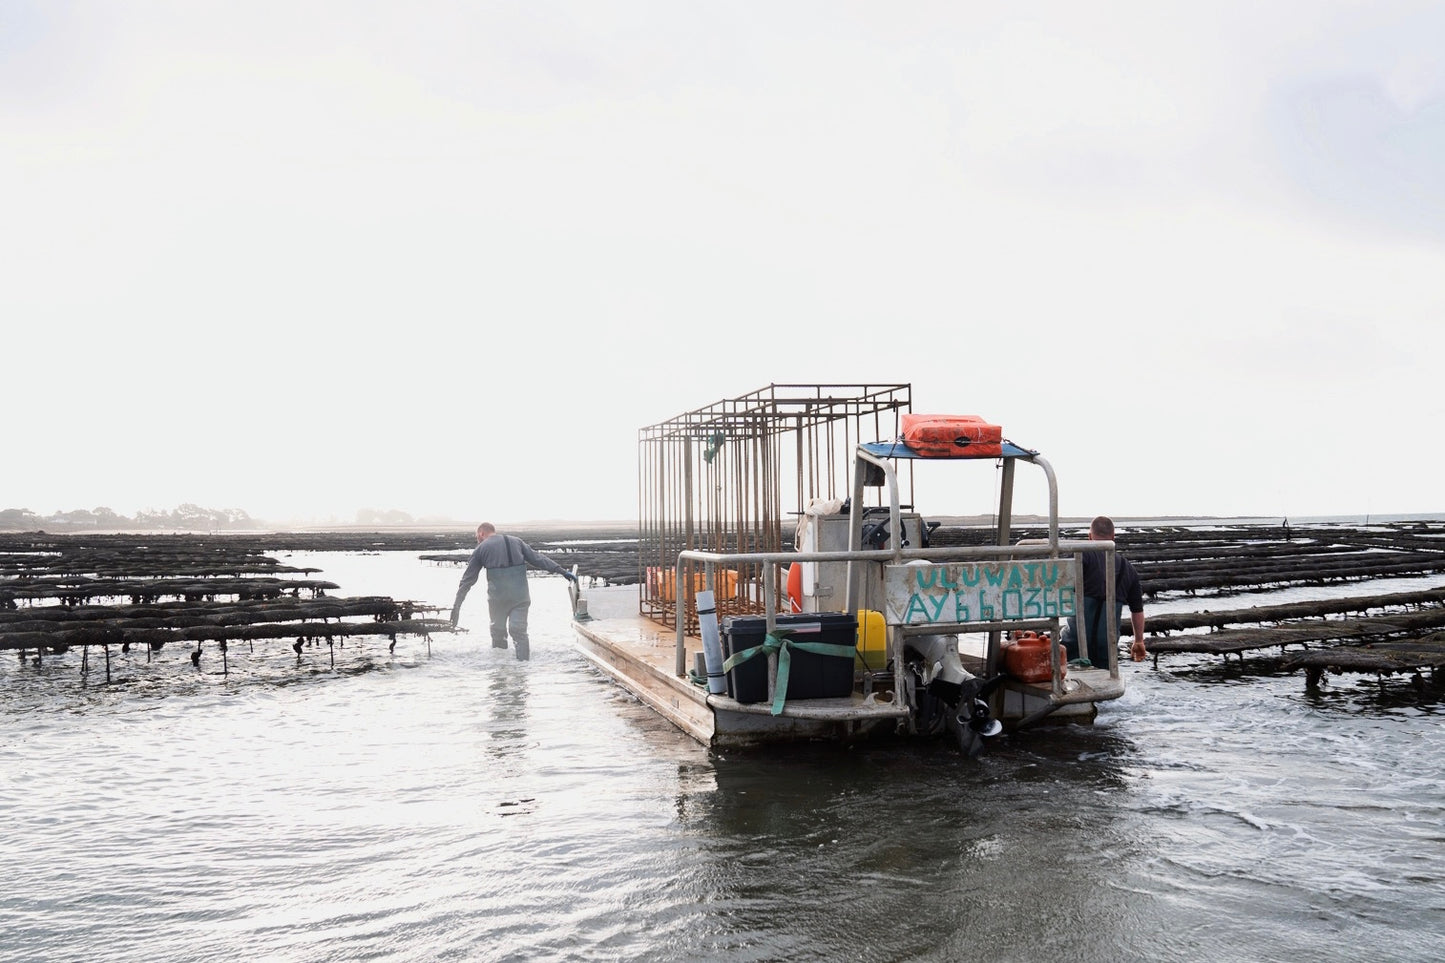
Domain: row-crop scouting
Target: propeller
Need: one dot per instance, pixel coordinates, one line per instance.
(978, 719)
(973, 694)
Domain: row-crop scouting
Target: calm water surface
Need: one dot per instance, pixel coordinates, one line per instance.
(450, 803)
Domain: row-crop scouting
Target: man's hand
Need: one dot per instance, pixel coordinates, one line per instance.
(1137, 652)
(456, 611)
(569, 576)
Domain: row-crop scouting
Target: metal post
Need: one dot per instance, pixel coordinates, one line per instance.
(1111, 611)
(993, 656)
(770, 622)
(1006, 502)
(1081, 628)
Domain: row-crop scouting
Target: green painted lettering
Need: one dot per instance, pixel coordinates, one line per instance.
(916, 607)
(1032, 608)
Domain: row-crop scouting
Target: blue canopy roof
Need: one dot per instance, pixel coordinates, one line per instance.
(897, 449)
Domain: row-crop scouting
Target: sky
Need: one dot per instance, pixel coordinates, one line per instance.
(308, 257)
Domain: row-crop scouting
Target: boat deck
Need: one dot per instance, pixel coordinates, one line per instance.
(641, 656)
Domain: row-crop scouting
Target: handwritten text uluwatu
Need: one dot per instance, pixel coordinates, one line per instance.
(982, 592)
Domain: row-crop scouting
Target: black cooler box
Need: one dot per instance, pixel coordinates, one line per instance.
(810, 675)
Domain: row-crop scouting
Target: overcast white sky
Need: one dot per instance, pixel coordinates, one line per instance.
(301, 258)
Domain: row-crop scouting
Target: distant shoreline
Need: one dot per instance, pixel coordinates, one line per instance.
(552, 526)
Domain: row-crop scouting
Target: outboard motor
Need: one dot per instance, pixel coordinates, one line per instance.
(949, 696)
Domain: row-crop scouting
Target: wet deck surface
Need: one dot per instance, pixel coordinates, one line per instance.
(642, 655)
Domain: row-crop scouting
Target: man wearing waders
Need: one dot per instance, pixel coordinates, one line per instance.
(505, 557)
(1103, 631)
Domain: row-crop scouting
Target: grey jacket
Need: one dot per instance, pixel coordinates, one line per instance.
(505, 557)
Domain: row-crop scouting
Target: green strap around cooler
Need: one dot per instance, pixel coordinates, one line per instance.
(783, 646)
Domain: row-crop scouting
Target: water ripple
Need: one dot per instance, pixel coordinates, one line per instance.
(458, 805)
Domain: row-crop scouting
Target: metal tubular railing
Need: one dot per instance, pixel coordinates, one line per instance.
(769, 563)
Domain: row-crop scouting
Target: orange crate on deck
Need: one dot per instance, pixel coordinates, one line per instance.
(660, 583)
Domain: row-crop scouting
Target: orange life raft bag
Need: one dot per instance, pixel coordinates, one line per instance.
(942, 436)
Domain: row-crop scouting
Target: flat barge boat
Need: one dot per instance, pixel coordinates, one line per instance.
(858, 628)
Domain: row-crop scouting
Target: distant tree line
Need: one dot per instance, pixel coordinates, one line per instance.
(383, 517)
(187, 517)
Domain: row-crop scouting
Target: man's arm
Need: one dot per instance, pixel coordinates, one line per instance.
(538, 560)
(469, 578)
(1137, 651)
(1133, 592)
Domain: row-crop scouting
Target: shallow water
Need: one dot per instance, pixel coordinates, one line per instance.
(445, 802)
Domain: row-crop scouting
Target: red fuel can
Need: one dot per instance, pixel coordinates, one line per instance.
(1026, 658)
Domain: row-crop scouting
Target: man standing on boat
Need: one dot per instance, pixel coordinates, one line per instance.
(505, 557)
(1127, 590)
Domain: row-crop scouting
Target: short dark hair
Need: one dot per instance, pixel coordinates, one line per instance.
(1102, 528)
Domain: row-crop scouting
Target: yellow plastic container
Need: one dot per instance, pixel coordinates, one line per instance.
(872, 641)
